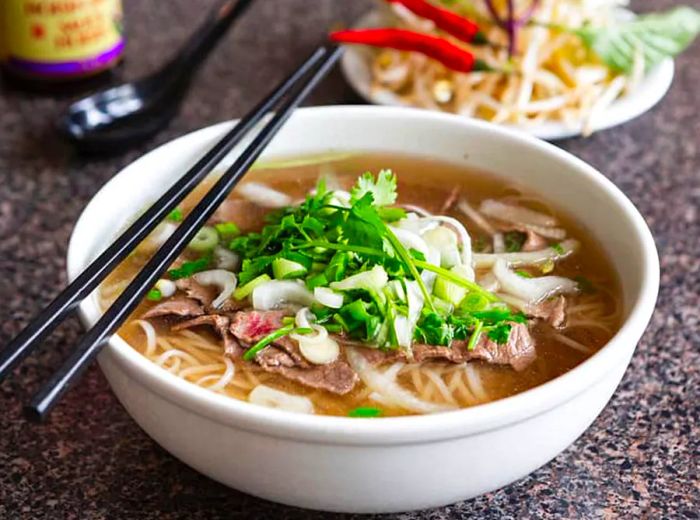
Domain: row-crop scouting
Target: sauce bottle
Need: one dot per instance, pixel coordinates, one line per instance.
(58, 41)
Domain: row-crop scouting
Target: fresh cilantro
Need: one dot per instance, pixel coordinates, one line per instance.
(417, 254)
(383, 189)
(558, 248)
(585, 285)
(227, 230)
(154, 295)
(175, 215)
(187, 269)
(500, 333)
(433, 329)
(514, 241)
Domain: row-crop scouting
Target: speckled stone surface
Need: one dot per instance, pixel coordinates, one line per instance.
(639, 459)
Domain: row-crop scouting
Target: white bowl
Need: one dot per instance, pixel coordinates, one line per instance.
(390, 464)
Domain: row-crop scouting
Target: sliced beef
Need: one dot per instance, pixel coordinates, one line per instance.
(552, 311)
(518, 352)
(177, 306)
(533, 241)
(204, 294)
(245, 214)
(336, 377)
(251, 326)
(450, 200)
(283, 356)
(220, 324)
(377, 357)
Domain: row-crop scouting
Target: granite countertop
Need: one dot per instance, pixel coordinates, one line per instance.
(640, 458)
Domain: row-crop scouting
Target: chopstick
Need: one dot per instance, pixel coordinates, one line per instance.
(56, 311)
(120, 310)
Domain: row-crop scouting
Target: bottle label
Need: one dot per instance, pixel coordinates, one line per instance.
(61, 37)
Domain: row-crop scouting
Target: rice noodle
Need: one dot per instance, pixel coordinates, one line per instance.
(475, 216)
(390, 390)
(151, 335)
(516, 214)
(475, 384)
(531, 290)
(571, 343)
(226, 377)
(499, 245)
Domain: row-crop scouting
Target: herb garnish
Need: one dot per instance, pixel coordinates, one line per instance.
(351, 248)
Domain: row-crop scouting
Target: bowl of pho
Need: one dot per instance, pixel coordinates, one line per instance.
(388, 293)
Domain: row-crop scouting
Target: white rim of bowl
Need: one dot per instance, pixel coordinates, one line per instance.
(389, 430)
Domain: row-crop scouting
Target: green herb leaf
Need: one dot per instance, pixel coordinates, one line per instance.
(500, 333)
(227, 230)
(187, 269)
(175, 215)
(514, 241)
(558, 248)
(656, 35)
(154, 295)
(273, 336)
(383, 190)
(365, 411)
(585, 285)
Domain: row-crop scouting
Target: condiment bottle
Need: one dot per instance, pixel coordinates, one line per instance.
(60, 40)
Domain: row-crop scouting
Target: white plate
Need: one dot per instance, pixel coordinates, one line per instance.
(356, 68)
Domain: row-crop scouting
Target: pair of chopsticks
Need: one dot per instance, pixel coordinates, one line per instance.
(290, 92)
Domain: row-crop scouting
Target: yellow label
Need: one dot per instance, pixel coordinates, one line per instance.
(50, 31)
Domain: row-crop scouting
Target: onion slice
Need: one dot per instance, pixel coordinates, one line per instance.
(328, 297)
(515, 214)
(386, 386)
(528, 258)
(264, 195)
(275, 293)
(225, 280)
(532, 290)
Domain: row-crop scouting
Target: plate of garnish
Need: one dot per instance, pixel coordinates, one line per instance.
(552, 68)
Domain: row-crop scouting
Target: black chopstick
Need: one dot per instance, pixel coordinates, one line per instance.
(56, 311)
(120, 310)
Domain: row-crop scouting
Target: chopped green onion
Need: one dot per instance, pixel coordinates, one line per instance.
(227, 230)
(513, 241)
(473, 302)
(284, 269)
(365, 411)
(273, 336)
(445, 273)
(558, 248)
(245, 290)
(584, 284)
(475, 335)
(175, 215)
(206, 239)
(154, 295)
(187, 269)
(523, 274)
(316, 280)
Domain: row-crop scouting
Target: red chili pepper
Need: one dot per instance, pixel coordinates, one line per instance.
(447, 53)
(449, 21)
